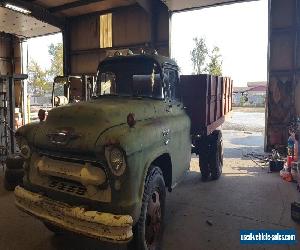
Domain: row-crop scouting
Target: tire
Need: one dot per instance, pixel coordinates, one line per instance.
(13, 178)
(148, 230)
(14, 161)
(204, 168)
(203, 151)
(54, 229)
(216, 154)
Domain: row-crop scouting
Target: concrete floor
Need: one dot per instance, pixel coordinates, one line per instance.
(246, 197)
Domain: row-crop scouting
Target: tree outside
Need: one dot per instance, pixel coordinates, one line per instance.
(56, 54)
(40, 80)
(37, 81)
(205, 61)
(198, 55)
(214, 67)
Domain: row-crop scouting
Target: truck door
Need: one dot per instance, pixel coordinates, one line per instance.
(179, 126)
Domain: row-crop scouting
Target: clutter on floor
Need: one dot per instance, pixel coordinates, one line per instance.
(291, 167)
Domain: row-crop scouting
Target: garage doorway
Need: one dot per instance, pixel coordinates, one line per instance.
(240, 32)
(44, 62)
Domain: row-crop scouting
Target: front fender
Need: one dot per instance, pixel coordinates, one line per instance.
(28, 131)
(142, 145)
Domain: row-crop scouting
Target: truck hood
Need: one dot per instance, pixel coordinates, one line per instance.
(75, 128)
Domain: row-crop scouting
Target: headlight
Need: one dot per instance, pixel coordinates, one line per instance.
(23, 146)
(116, 160)
(25, 151)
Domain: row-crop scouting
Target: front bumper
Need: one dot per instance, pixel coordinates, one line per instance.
(103, 226)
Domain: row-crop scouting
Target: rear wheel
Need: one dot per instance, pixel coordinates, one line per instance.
(149, 229)
(216, 154)
(202, 145)
(204, 168)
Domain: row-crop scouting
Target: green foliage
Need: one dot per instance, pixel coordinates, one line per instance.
(56, 53)
(214, 67)
(243, 100)
(40, 79)
(198, 55)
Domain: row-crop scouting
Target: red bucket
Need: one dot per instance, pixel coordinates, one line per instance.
(290, 160)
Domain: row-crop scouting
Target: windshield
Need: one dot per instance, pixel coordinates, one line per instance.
(134, 77)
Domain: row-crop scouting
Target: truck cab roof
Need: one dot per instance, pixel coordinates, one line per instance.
(162, 61)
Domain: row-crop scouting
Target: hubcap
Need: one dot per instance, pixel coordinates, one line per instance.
(153, 221)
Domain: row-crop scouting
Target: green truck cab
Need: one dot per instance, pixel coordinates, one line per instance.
(101, 167)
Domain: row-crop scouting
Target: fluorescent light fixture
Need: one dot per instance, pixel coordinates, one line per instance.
(16, 8)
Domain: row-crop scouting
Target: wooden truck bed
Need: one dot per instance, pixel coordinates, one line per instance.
(207, 100)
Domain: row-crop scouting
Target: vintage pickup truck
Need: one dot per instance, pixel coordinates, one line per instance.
(101, 167)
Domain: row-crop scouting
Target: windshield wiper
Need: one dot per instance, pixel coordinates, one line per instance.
(106, 95)
(146, 96)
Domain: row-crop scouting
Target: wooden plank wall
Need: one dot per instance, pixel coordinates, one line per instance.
(131, 28)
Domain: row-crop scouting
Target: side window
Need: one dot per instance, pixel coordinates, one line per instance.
(173, 83)
(108, 83)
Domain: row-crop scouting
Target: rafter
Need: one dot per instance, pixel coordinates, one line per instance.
(72, 5)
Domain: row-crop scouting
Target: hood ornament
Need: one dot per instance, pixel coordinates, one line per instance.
(62, 137)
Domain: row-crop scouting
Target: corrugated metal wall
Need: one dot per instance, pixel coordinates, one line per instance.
(284, 70)
(132, 27)
(10, 60)
(10, 54)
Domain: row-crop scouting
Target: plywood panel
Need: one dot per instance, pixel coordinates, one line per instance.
(106, 30)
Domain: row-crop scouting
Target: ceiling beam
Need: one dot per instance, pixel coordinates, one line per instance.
(38, 12)
(72, 5)
(208, 5)
(146, 4)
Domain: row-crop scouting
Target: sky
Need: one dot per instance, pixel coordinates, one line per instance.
(38, 48)
(239, 30)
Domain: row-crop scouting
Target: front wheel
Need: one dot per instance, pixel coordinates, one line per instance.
(148, 230)
(13, 178)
